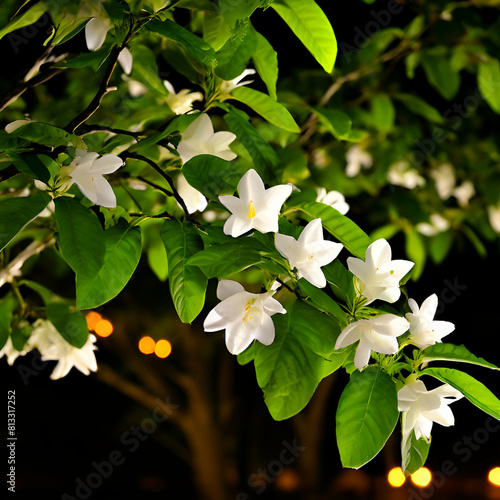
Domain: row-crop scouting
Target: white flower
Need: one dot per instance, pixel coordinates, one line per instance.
(228, 85)
(87, 170)
(135, 88)
(464, 193)
(356, 158)
(494, 217)
(444, 177)
(437, 225)
(376, 334)
(52, 346)
(199, 139)
(193, 199)
(10, 352)
(424, 331)
(309, 253)
(10, 127)
(422, 407)
(333, 198)
(181, 102)
(256, 208)
(126, 60)
(400, 174)
(95, 33)
(379, 275)
(245, 316)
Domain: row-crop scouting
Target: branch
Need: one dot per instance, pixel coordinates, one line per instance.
(87, 129)
(152, 164)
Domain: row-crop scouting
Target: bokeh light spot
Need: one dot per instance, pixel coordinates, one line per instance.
(92, 319)
(103, 328)
(147, 345)
(494, 476)
(422, 477)
(396, 477)
(163, 348)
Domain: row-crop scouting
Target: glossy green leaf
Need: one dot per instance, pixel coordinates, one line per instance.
(146, 71)
(81, 237)
(29, 17)
(31, 165)
(354, 239)
(265, 60)
(7, 306)
(420, 107)
(197, 47)
(187, 284)
(341, 280)
(46, 134)
(267, 107)
(16, 213)
(258, 148)
(290, 369)
(69, 322)
(383, 113)
(471, 388)
(122, 253)
(488, 79)
(212, 175)
(233, 57)
(441, 75)
(452, 352)
(322, 301)
(367, 414)
(247, 355)
(414, 454)
(336, 122)
(311, 26)
(68, 28)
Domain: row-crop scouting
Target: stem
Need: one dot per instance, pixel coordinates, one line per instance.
(152, 164)
(96, 128)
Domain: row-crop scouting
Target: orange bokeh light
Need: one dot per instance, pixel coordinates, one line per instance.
(494, 476)
(92, 319)
(103, 328)
(163, 348)
(422, 477)
(147, 345)
(396, 477)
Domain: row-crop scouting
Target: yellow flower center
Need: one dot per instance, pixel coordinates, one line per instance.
(248, 309)
(251, 211)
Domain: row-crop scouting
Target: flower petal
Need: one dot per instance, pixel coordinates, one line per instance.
(95, 33)
(227, 288)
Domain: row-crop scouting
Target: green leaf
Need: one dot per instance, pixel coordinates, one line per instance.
(234, 56)
(93, 60)
(122, 253)
(16, 213)
(415, 249)
(267, 107)
(68, 28)
(290, 369)
(471, 388)
(265, 60)
(354, 239)
(383, 113)
(69, 322)
(197, 47)
(81, 237)
(247, 355)
(441, 75)
(43, 133)
(187, 284)
(146, 71)
(7, 306)
(32, 15)
(415, 454)
(311, 26)
(321, 301)
(258, 148)
(439, 246)
(420, 107)
(32, 165)
(336, 122)
(366, 416)
(341, 281)
(451, 352)
(488, 79)
(212, 175)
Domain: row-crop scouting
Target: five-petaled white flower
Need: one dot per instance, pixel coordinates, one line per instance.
(424, 331)
(193, 199)
(87, 171)
(245, 316)
(356, 158)
(256, 208)
(437, 225)
(309, 253)
(379, 276)
(10, 352)
(181, 102)
(53, 347)
(400, 174)
(333, 198)
(421, 408)
(377, 334)
(200, 139)
(227, 85)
